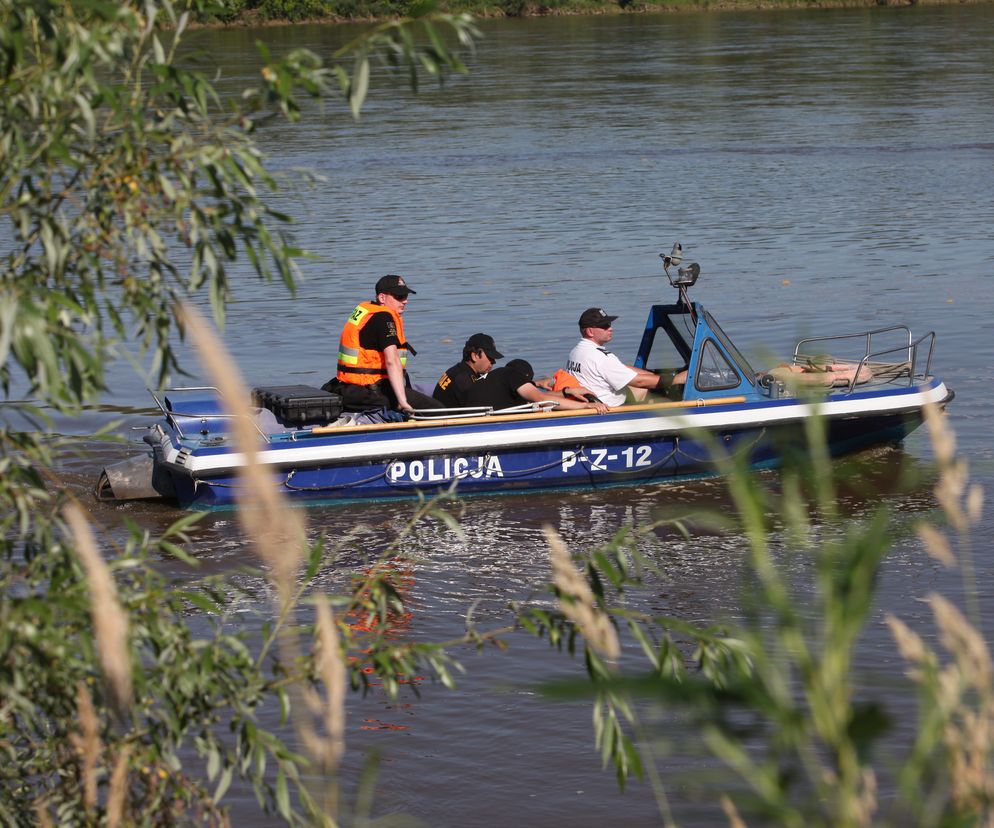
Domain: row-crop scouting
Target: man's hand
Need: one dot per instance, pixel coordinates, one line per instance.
(579, 392)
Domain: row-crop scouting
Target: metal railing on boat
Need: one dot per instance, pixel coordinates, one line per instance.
(428, 414)
(870, 363)
(175, 415)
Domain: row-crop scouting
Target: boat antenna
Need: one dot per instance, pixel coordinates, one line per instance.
(685, 276)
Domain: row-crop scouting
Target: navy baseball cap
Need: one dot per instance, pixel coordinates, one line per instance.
(595, 318)
(483, 342)
(394, 285)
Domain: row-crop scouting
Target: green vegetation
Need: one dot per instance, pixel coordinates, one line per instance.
(774, 697)
(256, 12)
(129, 185)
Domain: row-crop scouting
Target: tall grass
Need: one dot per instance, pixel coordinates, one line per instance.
(774, 697)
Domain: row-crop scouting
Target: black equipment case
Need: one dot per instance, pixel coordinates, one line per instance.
(299, 404)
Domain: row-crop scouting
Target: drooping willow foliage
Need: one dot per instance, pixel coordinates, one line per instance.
(128, 185)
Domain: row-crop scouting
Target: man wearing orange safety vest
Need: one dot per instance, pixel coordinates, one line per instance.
(372, 354)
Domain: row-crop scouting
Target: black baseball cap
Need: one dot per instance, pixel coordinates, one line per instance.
(394, 285)
(521, 372)
(595, 318)
(483, 342)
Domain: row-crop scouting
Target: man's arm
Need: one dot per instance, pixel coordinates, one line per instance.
(532, 393)
(655, 382)
(579, 392)
(395, 373)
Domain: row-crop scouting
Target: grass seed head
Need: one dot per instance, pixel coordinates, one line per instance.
(577, 600)
(110, 622)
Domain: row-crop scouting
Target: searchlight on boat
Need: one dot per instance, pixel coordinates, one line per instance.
(686, 277)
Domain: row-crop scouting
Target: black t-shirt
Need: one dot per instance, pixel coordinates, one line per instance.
(454, 385)
(500, 387)
(379, 332)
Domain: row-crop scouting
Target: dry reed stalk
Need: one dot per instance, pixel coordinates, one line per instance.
(110, 623)
(936, 544)
(276, 531)
(910, 646)
(731, 812)
(117, 798)
(87, 742)
(963, 690)
(969, 740)
(278, 534)
(964, 694)
(953, 471)
(943, 437)
(331, 669)
(41, 814)
(975, 503)
(962, 640)
(866, 798)
(577, 600)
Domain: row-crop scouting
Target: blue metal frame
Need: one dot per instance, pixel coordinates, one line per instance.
(661, 317)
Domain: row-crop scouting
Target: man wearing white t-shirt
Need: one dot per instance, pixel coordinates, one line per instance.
(601, 371)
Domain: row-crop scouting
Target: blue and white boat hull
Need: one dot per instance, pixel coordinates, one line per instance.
(643, 444)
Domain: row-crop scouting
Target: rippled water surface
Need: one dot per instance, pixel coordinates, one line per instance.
(830, 170)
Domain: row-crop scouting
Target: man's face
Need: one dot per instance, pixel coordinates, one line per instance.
(479, 362)
(600, 336)
(394, 303)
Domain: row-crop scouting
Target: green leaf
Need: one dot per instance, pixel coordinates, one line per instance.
(178, 552)
(185, 522)
(201, 601)
(314, 559)
(87, 114)
(450, 521)
(223, 783)
(359, 86)
(282, 795)
(157, 50)
(213, 762)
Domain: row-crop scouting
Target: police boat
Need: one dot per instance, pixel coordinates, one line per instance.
(870, 387)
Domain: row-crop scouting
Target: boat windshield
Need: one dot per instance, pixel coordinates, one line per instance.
(733, 352)
(670, 351)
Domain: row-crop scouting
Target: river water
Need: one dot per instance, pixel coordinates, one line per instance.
(830, 170)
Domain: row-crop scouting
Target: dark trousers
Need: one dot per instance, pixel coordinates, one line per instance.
(378, 395)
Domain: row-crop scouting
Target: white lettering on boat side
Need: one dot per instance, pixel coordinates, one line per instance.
(444, 469)
(602, 459)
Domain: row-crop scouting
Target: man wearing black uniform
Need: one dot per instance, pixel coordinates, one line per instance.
(479, 355)
(372, 354)
(514, 385)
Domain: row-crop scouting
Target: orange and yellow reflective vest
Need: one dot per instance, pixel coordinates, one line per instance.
(365, 366)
